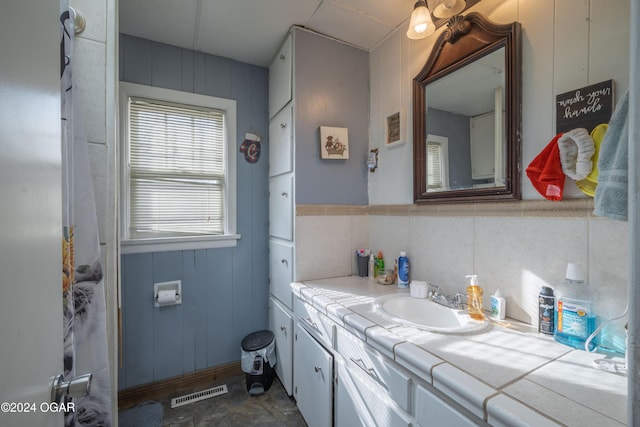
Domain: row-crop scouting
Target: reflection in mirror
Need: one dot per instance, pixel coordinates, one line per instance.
(466, 114)
(465, 119)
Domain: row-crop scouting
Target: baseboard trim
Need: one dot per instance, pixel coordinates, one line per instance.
(203, 378)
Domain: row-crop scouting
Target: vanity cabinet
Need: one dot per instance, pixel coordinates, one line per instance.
(313, 373)
(369, 388)
(281, 323)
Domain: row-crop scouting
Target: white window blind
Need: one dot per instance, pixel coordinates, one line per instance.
(434, 166)
(176, 169)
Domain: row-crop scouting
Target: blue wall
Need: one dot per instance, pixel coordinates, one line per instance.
(456, 128)
(331, 89)
(225, 291)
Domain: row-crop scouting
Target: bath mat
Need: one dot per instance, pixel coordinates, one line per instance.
(148, 414)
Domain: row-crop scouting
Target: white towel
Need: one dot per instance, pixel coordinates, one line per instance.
(612, 193)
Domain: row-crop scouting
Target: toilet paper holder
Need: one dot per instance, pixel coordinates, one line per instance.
(163, 289)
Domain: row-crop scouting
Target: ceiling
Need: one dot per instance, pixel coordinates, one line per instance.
(252, 30)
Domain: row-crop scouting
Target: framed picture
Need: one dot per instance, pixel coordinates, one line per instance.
(334, 143)
(394, 131)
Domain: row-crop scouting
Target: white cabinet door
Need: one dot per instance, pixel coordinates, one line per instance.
(281, 207)
(280, 72)
(281, 142)
(349, 411)
(483, 146)
(313, 379)
(431, 410)
(281, 324)
(281, 272)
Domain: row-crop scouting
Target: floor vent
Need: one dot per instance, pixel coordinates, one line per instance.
(198, 396)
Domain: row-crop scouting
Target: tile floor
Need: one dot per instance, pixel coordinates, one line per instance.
(236, 408)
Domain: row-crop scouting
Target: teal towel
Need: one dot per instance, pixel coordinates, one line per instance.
(612, 193)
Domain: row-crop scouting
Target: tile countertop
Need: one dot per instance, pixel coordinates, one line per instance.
(509, 375)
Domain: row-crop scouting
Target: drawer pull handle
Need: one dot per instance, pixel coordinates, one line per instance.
(282, 57)
(311, 323)
(284, 194)
(369, 371)
(283, 125)
(283, 330)
(317, 368)
(284, 261)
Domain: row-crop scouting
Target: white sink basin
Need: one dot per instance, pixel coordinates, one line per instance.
(428, 315)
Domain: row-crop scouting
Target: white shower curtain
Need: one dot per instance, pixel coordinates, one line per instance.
(85, 333)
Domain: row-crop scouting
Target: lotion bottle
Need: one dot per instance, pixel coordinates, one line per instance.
(498, 306)
(403, 270)
(474, 298)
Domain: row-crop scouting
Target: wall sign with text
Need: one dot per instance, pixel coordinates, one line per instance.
(586, 107)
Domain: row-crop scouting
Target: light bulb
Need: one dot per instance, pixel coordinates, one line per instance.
(421, 24)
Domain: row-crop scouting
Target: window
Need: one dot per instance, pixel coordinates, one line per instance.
(437, 163)
(178, 170)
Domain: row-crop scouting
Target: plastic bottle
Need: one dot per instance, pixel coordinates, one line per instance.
(498, 305)
(574, 318)
(403, 270)
(474, 298)
(372, 267)
(546, 314)
(379, 265)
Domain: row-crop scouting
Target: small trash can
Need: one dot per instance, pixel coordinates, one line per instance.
(258, 359)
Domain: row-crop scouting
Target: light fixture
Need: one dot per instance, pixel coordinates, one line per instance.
(421, 24)
(449, 8)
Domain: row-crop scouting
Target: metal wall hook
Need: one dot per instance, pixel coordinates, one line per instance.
(79, 23)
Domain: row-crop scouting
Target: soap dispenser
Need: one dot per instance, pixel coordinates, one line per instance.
(474, 298)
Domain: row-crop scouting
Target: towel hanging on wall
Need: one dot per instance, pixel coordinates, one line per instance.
(611, 197)
(545, 171)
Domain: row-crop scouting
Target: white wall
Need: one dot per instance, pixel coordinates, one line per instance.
(566, 44)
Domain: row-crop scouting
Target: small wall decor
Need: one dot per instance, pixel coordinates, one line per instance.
(334, 143)
(586, 107)
(251, 147)
(394, 129)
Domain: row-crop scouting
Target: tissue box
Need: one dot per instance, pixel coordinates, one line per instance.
(418, 289)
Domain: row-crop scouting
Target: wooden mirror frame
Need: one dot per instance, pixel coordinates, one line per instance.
(465, 40)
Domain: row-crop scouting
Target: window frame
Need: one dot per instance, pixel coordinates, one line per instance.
(158, 244)
(443, 143)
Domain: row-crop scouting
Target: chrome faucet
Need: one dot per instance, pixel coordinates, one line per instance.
(458, 301)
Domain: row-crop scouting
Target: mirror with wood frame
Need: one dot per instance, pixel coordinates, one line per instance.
(467, 114)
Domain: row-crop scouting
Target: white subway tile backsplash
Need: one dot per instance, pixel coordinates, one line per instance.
(323, 247)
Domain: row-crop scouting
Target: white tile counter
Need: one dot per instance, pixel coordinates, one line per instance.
(509, 375)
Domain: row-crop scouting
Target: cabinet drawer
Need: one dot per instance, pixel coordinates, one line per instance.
(280, 142)
(281, 272)
(432, 409)
(315, 322)
(376, 366)
(281, 324)
(364, 401)
(280, 72)
(281, 207)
